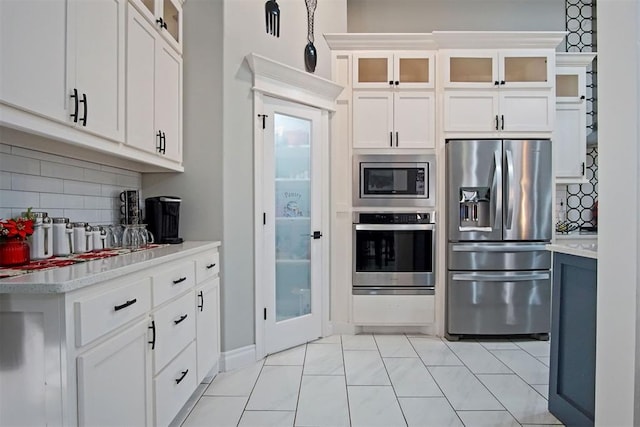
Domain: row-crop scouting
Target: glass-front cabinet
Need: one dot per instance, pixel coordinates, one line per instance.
(399, 69)
(166, 15)
(523, 68)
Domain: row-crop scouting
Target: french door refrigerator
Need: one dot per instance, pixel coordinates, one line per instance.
(499, 220)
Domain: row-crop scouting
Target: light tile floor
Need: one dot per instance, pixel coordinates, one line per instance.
(385, 380)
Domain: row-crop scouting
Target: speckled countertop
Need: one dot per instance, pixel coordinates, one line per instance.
(72, 277)
(581, 247)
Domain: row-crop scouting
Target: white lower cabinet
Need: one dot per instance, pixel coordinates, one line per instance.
(114, 380)
(173, 386)
(207, 326)
(391, 310)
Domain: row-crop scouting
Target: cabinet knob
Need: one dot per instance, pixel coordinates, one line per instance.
(396, 82)
(496, 83)
(391, 82)
(582, 97)
(501, 82)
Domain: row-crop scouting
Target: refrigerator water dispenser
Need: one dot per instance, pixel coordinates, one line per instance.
(475, 209)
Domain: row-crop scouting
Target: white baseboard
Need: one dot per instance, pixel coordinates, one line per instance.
(237, 358)
(420, 330)
(339, 328)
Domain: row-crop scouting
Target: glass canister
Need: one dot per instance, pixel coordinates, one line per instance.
(41, 246)
(62, 236)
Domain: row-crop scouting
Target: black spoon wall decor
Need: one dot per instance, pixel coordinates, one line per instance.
(310, 53)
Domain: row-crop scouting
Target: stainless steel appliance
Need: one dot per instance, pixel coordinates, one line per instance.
(383, 180)
(499, 220)
(393, 253)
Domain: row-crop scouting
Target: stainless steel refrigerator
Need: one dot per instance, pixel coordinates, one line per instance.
(499, 220)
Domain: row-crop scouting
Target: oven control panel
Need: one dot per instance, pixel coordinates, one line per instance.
(394, 218)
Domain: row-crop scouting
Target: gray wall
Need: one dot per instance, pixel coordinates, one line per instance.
(423, 16)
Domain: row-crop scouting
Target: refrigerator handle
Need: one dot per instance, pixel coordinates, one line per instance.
(496, 190)
(509, 190)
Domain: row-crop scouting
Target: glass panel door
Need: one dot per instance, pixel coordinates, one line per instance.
(470, 70)
(171, 16)
(292, 155)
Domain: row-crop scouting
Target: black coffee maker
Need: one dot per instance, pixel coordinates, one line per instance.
(163, 218)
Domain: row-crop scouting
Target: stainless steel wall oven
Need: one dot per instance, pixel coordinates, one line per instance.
(393, 253)
(394, 180)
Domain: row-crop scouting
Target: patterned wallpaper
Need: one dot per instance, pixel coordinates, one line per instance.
(574, 201)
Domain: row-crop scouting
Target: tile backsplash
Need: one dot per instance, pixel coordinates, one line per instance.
(574, 201)
(61, 186)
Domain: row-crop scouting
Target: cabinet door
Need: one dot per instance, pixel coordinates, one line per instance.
(114, 380)
(373, 119)
(207, 327)
(570, 143)
(414, 119)
(141, 53)
(168, 106)
(570, 85)
(413, 70)
(526, 111)
(471, 111)
(531, 68)
(32, 48)
(171, 14)
(373, 70)
(96, 64)
(470, 68)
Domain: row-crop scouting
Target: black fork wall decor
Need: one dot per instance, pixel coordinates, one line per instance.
(310, 53)
(272, 17)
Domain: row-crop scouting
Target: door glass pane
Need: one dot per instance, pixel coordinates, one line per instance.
(567, 85)
(414, 70)
(470, 70)
(293, 216)
(372, 70)
(525, 69)
(171, 16)
(149, 4)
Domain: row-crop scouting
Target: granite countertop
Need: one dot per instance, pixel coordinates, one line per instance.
(581, 247)
(76, 276)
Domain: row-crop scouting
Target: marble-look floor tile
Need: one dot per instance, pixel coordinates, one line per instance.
(410, 378)
(322, 401)
(429, 412)
(216, 411)
(498, 344)
(534, 347)
(358, 342)
(331, 339)
(276, 389)
(522, 401)
(488, 419)
(373, 406)
(434, 352)
(324, 359)
(394, 346)
(525, 365)
(477, 358)
(293, 356)
(238, 382)
(365, 367)
(543, 389)
(463, 390)
(267, 419)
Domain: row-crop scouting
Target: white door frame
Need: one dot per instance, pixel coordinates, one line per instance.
(271, 78)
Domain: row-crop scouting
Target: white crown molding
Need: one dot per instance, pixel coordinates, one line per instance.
(283, 81)
(380, 41)
(498, 39)
(574, 59)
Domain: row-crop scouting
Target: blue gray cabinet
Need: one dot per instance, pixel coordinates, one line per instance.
(573, 340)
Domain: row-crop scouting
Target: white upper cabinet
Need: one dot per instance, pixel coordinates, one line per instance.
(501, 68)
(64, 60)
(154, 90)
(166, 16)
(405, 70)
(570, 131)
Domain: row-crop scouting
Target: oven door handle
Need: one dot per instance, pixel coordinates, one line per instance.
(394, 227)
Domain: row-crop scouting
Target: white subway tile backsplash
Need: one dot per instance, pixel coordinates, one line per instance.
(84, 188)
(5, 181)
(35, 183)
(19, 199)
(5, 149)
(83, 215)
(39, 155)
(93, 202)
(130, 182)
(61, 201)
(54, 213)
(100, 177)
(11, 163)
(60, 170)
(118, 171)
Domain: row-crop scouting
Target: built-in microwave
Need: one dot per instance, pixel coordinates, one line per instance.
(396, 180)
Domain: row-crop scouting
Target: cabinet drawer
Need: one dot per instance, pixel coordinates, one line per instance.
(386, 310)
(175, 327)
(98, 314)
(207, 265)
(174, 385)
(172, 281)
